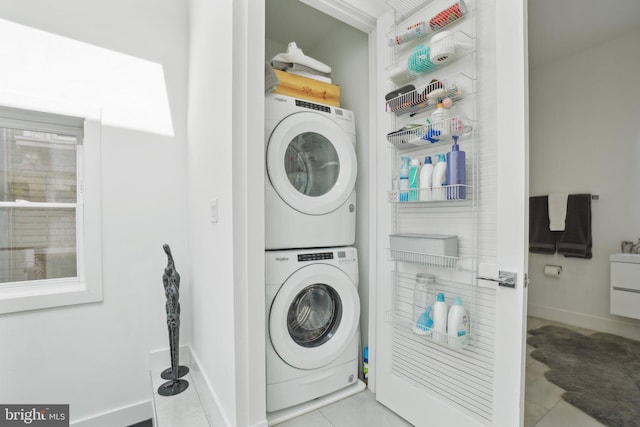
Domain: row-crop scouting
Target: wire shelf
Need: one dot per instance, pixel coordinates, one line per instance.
(436, 261)
(425, 98)
(445, 193)
(449, 46)
(417, 136)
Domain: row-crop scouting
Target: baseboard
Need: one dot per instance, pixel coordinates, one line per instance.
(206, 393)
(629, 329)
(124, 416)
(208, 397)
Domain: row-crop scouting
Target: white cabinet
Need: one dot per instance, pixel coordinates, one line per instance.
(625, 285)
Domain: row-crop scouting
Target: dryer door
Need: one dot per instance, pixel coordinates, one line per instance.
(314, 316)
(311, 163)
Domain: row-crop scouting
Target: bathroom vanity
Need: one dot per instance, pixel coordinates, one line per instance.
(625, 285)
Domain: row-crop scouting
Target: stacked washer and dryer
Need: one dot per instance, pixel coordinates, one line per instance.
(312, 304)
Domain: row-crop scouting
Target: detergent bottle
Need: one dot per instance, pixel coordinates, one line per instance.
(426, 177)
(457, 324)
(439, 182)
(440, 311)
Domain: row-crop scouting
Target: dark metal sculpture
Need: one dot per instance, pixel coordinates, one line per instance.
(171, 282)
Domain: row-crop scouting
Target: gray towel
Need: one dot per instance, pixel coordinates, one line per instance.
(271, 80)
(541, 240)
(575, 241)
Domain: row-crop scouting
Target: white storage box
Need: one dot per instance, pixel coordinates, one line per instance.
(432, 244)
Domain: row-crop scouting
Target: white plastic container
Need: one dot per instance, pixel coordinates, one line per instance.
(458, 324)
(443, 47)
(439, 180)
(426, 179)
(440, 311)
(440, 121)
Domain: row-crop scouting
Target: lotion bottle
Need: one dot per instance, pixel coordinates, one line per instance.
(456, 173)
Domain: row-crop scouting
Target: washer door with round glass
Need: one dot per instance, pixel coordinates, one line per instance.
(314, 316)
(311, 163)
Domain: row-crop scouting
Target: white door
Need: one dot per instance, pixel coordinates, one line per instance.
(432, 383)
(311, 163)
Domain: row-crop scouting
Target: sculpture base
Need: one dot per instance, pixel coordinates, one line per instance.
(167, 374)
(171, 388)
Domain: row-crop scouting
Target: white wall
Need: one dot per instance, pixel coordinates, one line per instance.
(225, 161)
(210, 173)
(128, 57)
(584, 137)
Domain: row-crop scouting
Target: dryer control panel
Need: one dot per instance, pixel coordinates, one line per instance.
(315, 257)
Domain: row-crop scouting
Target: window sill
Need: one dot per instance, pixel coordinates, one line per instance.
(34, 295)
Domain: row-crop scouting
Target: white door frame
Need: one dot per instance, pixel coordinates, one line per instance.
(512, 180)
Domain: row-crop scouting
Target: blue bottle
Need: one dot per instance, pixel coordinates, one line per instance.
(456, 172)
(404, 179)
(414, 179)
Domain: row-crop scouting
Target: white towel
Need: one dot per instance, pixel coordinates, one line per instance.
(311, 76)
(557, 211)
(294, 55)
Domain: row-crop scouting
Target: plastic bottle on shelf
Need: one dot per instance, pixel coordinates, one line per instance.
(422, 311)
(440, 311)
(457, 324)
(439, 180)
(456, 172)
(414, 179)
(365, 363)
(413, 32)
(403, 184)
(439, 120)
(426, 179)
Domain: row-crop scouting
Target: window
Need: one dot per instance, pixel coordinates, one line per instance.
(44, 226)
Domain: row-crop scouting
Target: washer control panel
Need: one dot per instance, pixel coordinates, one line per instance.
(342, 256)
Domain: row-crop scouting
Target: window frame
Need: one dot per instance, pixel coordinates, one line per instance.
(86, 287)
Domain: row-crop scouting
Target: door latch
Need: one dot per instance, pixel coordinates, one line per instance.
(505, 278)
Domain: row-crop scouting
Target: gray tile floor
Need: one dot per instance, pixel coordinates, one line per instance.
(359, 410)
(544, 406)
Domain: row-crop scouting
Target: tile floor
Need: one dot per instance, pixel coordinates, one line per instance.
(359, 410)
(544, 406)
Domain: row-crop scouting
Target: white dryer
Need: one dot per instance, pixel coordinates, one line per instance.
(311, 169)
(312, 320)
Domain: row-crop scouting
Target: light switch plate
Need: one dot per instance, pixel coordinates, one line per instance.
(214, 210)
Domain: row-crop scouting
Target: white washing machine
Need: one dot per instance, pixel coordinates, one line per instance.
(311, 168)
(312, 320)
